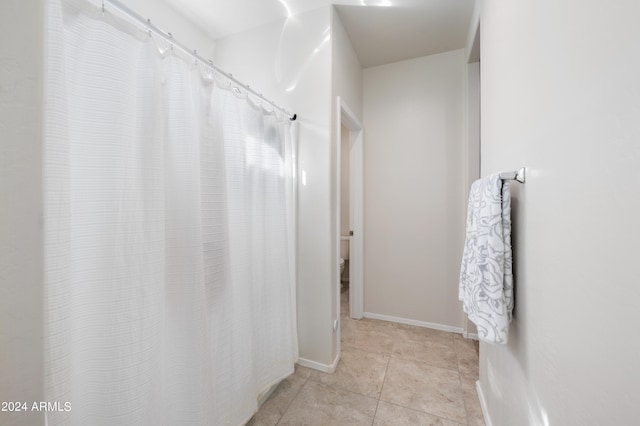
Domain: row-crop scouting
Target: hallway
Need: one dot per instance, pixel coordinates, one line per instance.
(389, 374)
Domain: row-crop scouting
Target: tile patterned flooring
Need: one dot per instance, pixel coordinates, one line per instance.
(389, 374)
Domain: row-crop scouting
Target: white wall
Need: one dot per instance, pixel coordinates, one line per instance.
(168, 19)
(21, 207)
(414, 188)
(346, 68)
(561, 95)
(290, 63)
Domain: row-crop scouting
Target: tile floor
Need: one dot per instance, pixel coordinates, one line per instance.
(389, 374)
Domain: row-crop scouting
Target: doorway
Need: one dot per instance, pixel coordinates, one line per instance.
(472, 147)
(349, 128)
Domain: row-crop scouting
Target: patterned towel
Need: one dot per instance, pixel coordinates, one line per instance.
(486, 278)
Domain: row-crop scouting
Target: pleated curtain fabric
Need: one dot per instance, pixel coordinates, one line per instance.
(170, 233)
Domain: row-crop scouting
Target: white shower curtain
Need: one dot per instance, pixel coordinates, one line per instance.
(169, 233)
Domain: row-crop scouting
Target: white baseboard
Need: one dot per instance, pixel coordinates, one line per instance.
(263, 397)
(483, 404)
(413, 322)
(319, 366)
(472, 336)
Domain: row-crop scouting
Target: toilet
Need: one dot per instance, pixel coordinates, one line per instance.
(344, 256)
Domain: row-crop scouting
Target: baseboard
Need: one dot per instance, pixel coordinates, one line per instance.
(263, 398)
(325, 368)
(472, 336)
(483, 405)
(413, 322)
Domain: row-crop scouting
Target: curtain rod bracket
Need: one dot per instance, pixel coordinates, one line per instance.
(517, 175)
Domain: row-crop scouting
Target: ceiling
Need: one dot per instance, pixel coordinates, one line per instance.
(381, 31)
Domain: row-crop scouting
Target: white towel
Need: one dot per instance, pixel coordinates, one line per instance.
(486, 278)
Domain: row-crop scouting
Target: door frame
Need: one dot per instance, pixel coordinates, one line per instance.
(346, 117)
(473, 132)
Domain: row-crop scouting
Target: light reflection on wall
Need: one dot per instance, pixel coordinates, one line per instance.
(536, 413)
(379, 3)
(286, 6)
(290, 78)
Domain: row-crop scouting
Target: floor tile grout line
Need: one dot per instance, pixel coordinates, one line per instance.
(384, 379)
(375, 413)
(326, 385)
(427, 363)
(464, 400)
(348, 349)
(340, 388)
(337, 387)
(421, 411)
(425, 412)
(292, 399)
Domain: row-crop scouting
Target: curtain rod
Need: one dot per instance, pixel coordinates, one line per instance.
(167, 36)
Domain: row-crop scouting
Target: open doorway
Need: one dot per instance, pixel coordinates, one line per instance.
(472, 147)
(350, 187)
(345, 219)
